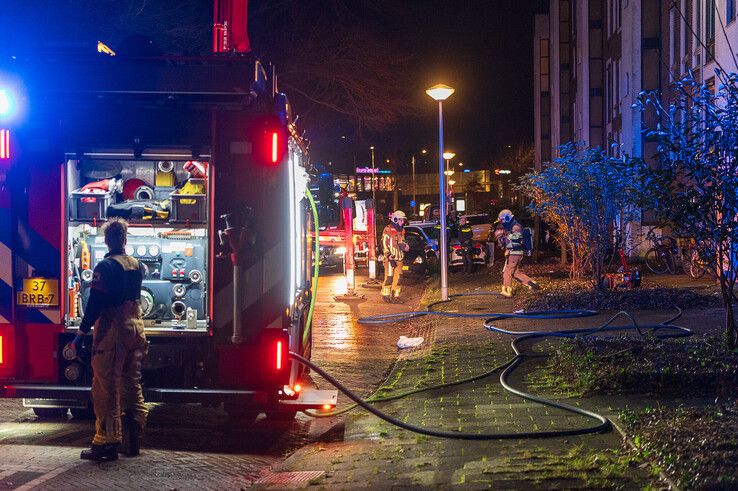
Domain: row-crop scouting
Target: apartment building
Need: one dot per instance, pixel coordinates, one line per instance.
(592, 59)
(701, 35)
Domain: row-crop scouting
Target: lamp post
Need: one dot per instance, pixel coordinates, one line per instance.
(415, 203)
(371, 178)
(440, 93)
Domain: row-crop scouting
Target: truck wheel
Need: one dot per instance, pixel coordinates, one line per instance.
(50, 412)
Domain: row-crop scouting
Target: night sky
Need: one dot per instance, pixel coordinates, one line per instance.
(484, 49)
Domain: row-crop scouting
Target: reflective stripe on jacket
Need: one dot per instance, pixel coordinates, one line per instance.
(515, 244)
(391, 242)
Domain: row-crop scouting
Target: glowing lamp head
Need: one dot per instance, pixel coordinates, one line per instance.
(6, 103)
(440, 92)
(448, 155)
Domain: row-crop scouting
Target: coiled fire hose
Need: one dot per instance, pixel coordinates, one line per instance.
(603, 424)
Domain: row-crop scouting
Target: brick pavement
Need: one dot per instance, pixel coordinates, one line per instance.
(191, 447)
(370, 453)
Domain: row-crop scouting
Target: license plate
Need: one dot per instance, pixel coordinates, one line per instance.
(406, 268)
(39, 292)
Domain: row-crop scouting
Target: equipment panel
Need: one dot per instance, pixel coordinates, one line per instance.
(173, 252)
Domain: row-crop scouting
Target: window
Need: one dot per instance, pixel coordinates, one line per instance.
(414, 241)
(710, 26)
(710, 83)
(544, 65)
(729, 11)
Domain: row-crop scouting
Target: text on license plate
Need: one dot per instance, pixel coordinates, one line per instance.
(406, 268)
(39, 291)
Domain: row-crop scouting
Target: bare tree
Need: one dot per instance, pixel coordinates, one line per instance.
(333, 60)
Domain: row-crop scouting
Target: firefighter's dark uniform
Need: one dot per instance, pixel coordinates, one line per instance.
(393, 243)
(118, 346)
(466, 235)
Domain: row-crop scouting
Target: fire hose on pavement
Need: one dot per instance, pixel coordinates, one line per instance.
(663, 330)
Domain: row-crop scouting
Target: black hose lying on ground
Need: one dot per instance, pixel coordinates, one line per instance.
(603, 425)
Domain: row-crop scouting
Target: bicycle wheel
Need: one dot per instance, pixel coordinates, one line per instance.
(657, 260)
(695, 268)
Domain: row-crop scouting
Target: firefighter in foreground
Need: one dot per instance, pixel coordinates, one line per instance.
(118, 348)
(515, 250)
(394, 248)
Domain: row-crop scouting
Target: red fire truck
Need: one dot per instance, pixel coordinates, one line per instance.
(201, 156)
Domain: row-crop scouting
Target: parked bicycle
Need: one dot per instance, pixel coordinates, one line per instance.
(667, 255)
(659, 258)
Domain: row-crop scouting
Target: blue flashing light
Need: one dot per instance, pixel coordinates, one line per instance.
(6, 103)
(467, 170)
(412, 203)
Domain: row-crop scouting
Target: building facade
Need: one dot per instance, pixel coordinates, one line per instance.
(592, 59)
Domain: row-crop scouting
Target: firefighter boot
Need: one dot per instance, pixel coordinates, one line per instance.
(100, 452)
(396, 296)
(387, 293)
(533, 286)
(131, 445)
(507, 291)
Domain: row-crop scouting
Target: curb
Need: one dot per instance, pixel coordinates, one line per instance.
(633, 446)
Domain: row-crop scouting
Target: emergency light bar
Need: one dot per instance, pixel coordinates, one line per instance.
(6, 103)
(4, 144)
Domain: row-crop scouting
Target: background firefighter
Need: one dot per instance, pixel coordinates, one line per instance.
(118, 347)
(394, 248)
(515, 251)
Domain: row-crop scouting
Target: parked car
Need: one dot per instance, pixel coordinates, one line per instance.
(456, 255)
(332, 256)
(481, 225)
(430, 233)
(422, 257)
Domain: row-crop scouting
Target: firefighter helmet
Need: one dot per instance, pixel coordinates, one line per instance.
(505, 215)
(398, 215)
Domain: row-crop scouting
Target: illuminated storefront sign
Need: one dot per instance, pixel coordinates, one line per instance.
(369, 170)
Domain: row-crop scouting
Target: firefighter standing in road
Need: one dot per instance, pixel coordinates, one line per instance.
(118, 347)
(515, 250)
(466, 236)
(394, 248)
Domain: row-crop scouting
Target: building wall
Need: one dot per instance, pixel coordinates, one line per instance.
(702, 36)
(608, 52)
(542, 91)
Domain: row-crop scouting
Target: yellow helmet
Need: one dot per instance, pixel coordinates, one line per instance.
(397, 215)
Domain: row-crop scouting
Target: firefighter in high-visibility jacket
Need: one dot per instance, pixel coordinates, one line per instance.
(118, 348)
(394, 248)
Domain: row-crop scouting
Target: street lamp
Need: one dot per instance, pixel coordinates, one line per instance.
(447, 156)
(371, 178)
(440, 93)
